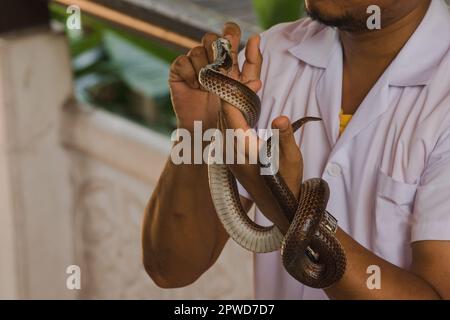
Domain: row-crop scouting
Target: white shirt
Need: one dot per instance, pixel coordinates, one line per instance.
(389, 173)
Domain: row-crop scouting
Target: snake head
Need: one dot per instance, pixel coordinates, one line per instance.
(225, 44)
(222, 53)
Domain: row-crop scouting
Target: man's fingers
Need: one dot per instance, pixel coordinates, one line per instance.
(253, 60)
(288, 145)
(232, 32)
(198, 57)
(182, 70)
(207, 42)
(291, 161)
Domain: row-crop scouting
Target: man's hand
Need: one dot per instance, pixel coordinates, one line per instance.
(190, 101)
(231, 118)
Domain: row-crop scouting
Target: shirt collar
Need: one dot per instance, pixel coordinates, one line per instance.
(316, 49)
(416, 62)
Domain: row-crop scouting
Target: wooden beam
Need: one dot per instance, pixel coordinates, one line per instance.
(179, 24)
(130, 22)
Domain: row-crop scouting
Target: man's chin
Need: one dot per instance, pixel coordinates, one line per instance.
(345, 22)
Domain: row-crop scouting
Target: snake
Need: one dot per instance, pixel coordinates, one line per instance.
(310, 251)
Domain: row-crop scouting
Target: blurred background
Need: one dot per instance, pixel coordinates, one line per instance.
(85, 124)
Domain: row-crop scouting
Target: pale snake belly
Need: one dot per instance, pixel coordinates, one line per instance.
(310, 251)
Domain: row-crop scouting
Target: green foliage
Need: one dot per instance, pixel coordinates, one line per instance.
(120, 71)
(127, 74)
(139, 69)
(272, 12)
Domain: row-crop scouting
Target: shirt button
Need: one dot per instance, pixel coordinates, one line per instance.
(334, 170)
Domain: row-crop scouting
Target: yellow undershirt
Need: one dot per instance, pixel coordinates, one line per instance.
(344, 120)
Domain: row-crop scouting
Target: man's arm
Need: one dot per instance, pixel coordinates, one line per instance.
(182, 236)
(180, 227)
(428, 278)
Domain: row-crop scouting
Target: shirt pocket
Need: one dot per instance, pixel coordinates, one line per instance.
(394, 202)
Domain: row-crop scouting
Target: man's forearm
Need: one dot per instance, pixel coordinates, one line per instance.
(181, 233)
(396, 283)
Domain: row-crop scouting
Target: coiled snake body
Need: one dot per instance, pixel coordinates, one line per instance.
(310, 251)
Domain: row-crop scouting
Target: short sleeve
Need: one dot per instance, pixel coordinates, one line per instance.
(431, 216)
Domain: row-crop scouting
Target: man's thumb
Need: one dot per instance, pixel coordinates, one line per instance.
(287, 139)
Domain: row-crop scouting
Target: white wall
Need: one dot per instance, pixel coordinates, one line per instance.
(114, 168)
(73, 185)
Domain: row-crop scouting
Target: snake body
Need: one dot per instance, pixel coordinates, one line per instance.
(310, 251)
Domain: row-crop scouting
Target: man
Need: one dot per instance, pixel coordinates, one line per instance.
(389, 171)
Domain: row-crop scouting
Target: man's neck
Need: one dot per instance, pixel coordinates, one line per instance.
(368, 54)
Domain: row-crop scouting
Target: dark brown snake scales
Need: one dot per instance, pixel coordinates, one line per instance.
(310, 251)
